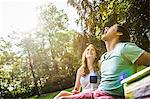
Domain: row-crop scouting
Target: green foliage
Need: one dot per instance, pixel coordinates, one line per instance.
(43, 61)
(134, 14)
(48, 58)
(50, 95)
(51, 19)
(11, 73)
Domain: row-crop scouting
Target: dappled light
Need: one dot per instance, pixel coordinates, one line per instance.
(45, 59)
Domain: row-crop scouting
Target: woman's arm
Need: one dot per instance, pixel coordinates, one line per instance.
(77, 86)
(75, 90)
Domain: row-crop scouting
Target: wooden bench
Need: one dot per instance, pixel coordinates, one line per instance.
(138, 85)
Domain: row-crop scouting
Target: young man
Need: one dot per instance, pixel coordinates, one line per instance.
(118, 63)
(120, 60)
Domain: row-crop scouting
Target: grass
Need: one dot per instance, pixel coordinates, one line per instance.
(49, 95)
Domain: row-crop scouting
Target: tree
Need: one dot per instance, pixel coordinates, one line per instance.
(46, 59)
(96, 14)
(10, 71)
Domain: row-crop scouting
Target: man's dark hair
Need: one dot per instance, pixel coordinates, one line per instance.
(126, 36)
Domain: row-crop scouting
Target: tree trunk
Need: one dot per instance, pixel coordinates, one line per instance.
(33, 74)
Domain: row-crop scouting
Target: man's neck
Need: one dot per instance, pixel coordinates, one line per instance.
(110, 45)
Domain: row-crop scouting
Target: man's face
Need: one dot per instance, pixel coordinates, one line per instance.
(109, 33)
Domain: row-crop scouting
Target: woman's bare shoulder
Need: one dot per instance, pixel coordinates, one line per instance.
(80, 70)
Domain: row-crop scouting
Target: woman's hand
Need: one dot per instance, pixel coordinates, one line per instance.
(75, 92)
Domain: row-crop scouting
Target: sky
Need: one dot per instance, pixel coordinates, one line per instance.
(21, 15)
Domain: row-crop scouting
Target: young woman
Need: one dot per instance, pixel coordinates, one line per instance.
(88, 69)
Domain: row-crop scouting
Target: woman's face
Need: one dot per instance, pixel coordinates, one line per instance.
(90, 52)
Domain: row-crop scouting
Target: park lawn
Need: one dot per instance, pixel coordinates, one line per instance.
(49, 95)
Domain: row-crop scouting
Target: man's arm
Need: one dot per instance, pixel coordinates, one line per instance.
(144, 59)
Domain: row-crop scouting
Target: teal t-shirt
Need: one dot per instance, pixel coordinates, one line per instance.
(117, 65)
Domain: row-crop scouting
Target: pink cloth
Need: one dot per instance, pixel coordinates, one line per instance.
(92, 95)
(101, 95)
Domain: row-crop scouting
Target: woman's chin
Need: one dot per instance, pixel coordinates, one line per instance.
(90, 57)
(103, 39)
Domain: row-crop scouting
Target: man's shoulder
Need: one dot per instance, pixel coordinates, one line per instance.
(125, 45)
(122, 47)
(130, 48)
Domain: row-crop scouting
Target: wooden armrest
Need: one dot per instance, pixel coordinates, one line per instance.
(137, 76)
